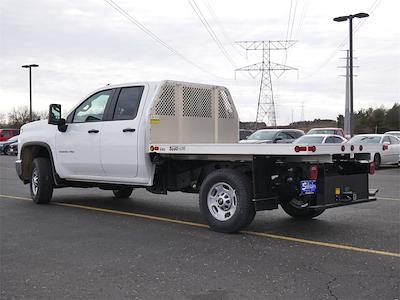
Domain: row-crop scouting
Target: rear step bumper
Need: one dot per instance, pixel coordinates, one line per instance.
(338, 204)
(372, 197)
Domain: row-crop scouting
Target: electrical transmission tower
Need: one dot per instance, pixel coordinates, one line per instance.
(266, 104)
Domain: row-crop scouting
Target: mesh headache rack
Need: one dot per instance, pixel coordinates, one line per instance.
(193, 113)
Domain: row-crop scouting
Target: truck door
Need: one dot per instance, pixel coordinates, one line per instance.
(78, 149)
(119, 136)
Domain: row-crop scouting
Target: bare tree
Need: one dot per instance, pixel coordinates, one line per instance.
(3, 119)
(20, 116)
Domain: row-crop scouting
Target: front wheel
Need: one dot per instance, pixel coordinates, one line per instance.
(298, 209)
(41, 183)
(225, 201)
(5, 150)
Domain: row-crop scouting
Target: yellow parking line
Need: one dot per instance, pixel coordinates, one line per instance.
(254, 233)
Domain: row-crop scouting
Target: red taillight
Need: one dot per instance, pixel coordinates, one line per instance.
(361, 147)
(312, 148)
(385, 147)
(300, 148)
(343, 148)
(314, 172)
(371, 168)
(352, 148)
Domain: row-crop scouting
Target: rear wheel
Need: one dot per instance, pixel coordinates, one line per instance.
(123, 192)
(225, 200)
(41, 182)
(377, 161)
(299, 210)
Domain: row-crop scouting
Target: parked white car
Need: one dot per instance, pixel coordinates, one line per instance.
(395, 133)
(389, 153)
(321, 139)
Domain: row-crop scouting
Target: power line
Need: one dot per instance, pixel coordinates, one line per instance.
(302, 18)
(156, 38)
(221, 26)
(210, 31)
(293, 20)
(288, 24)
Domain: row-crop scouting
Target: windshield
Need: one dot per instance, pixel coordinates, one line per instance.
(322, 131)
(262, 135)
(365, 139)
(310, 139)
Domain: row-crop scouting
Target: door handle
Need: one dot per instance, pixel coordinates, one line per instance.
(128, 130)
(93, 131)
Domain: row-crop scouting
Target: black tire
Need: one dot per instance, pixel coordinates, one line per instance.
(377, 161)
(297, 212)
(123, 193)
(244, 212)
(5, 150)
(41, 181)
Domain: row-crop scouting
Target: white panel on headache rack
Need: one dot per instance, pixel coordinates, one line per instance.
(193, 113)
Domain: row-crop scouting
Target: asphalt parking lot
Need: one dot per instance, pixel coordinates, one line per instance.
(88, 245)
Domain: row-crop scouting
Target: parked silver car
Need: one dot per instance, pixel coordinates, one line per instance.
(268, 136)
(321, 139)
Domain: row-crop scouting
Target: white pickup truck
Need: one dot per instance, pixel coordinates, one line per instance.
(178, 136)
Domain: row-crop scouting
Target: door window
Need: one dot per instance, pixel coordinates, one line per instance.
(386, 140)
(92, 109)
(128, 103)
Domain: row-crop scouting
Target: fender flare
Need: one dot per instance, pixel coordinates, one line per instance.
(57, 180)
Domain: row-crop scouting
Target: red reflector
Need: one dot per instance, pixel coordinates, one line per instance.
(312, 148)
(156, 148)
(385, 147)
(300, 148)
(371, 168)
(361, 147)
(343, 148)
(352, 148)
(314, 172)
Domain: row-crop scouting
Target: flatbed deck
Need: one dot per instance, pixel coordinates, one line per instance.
(263, 149)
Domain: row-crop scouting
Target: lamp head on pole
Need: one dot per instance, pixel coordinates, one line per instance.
(345, 18)
(341, 19)
(30, 66)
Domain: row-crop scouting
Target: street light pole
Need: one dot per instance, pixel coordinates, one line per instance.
(350, 18)
(351, 76)
(30, 87)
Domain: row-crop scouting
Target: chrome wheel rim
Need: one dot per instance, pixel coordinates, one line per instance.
(222, 201)
(35, 182)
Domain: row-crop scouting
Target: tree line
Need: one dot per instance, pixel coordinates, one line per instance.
(377, 120)
(20, 116)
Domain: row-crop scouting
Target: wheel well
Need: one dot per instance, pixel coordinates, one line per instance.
(28, 154)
